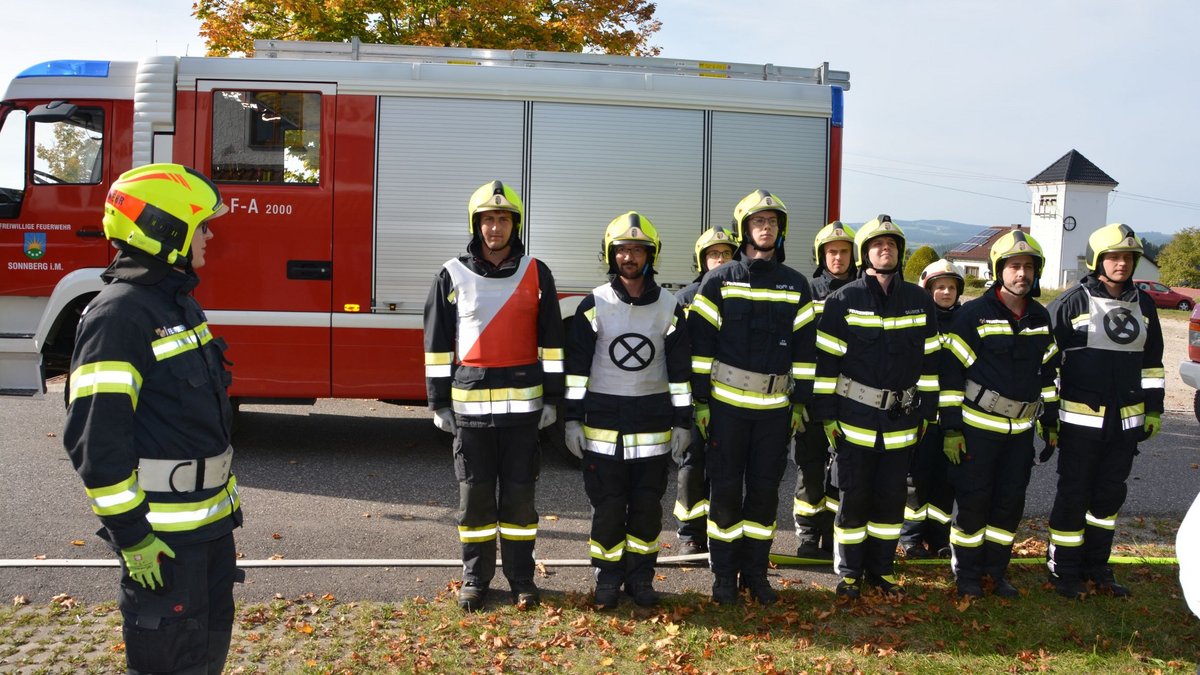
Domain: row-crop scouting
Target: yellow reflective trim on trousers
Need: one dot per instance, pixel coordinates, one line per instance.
(1070, 539)
(915, 515)
(832, 504)
(748, 399)
(995, 423)
(551, 353)
(851, 535)
(1049, 394)
(961, 350)
(894, 440)
(698, 510)
(885, 531)
(187, 516)
(831, 345)
(965, 539)
(705, 308)
(513, 532)
(927, 383)
(635, 545)
(499, 394)
(183, 341)
(803, 508)
(804, 370)
(607, 554)
(118, 498)
(472, 534)
(934, 513)
(950, 398)
(998, 535)
(824, 385)
(758, 531)
(858, 435)
(437, 364)
(702, 364)
(106, 377)
(1109, 523)
(729, 534)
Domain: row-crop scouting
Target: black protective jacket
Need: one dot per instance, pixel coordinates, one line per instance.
(1015, 357)
(1127, 382)
(885, 341)
(148, 381)
(441, 330)
(756, 315)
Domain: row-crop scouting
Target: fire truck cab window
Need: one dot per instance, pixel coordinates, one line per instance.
(69, 151)
(266, 137)
(12, 162)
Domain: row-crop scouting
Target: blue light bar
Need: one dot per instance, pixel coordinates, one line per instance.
(836, 118)
(67, 68)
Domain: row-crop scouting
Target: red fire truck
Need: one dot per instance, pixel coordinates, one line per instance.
(347, 168)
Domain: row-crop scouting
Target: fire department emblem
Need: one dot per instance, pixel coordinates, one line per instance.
(631, 352)
(1121, 326)
(35, 245)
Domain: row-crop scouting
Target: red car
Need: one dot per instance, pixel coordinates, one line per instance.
(1163, 296)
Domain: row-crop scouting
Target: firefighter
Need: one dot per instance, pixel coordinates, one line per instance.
(998, 386)
(148, 424)
(751, 325)
(833, 254)
(876, 389)
(926, 530)
(1112, 385)
(629, 408)
(493, 370)
(714, 248)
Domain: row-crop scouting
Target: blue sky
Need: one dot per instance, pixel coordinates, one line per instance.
(953, 104)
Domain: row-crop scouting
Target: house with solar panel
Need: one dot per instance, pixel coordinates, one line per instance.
(1069, 202)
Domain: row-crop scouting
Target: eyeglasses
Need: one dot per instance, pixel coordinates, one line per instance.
(204, 227)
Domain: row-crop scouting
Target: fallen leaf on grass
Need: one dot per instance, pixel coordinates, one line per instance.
(63, 600)
(304, 627)
(19, 600)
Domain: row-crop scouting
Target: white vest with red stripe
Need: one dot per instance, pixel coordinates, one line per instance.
(497, 317)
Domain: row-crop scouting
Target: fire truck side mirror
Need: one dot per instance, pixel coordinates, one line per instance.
(54, 111)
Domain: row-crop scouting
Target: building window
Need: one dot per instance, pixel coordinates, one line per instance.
(1046, 207)
(69, 151)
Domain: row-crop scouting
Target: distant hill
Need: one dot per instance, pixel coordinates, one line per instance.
(943, 233)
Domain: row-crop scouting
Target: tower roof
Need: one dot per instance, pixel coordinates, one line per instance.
(1073, 168)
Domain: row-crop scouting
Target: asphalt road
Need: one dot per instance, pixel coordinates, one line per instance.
(354, 479)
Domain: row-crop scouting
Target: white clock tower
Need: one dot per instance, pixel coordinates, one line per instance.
(1070, 201)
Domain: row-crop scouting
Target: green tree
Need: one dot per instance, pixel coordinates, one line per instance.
(920, 260)
(69, 156)
(1179, 260)
(606, 26)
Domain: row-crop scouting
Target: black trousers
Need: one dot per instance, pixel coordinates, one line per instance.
(989, 500)
(871, 491)
(746, 458)
(626, 499)
(930, 500)
(1091, 490)
(185, 626)
(814, 521)
(497, 470)
(691, 499)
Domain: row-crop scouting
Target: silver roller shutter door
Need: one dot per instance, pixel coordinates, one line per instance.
(591, 163)
(432, 154)
(784, 155)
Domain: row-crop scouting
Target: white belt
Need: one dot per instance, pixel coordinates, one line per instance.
(189, 475)
(990, 401)
(883, 399)
(748, 380)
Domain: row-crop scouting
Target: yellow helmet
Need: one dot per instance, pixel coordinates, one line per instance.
(1014, 243)
(882, 225)
(714, 236)
(156, 208)
(941, 268)
(1111, 239)
(759, 200)
(631, 228)
(835, 231)
(494, 196)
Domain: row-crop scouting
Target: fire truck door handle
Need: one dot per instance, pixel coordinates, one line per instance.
(95, 234)
(314, 270)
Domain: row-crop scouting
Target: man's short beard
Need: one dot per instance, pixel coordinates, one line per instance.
(636, 274)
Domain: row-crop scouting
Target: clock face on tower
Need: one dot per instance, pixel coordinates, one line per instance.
(1069, 223)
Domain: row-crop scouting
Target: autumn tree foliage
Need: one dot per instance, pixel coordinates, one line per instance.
(603, 26)
(1179, 260)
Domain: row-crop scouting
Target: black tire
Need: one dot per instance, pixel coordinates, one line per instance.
(1196, 405)
(1184, 305)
